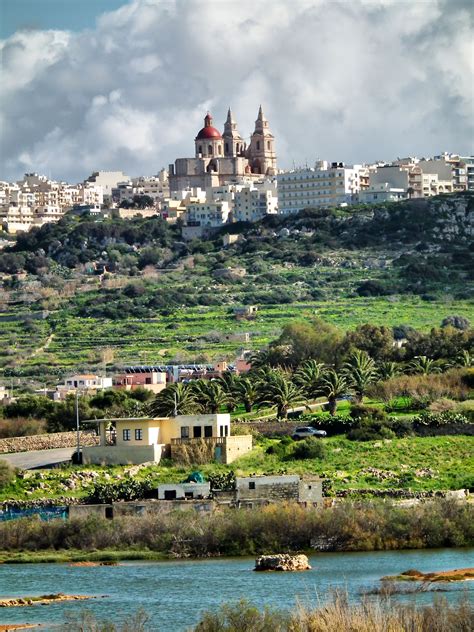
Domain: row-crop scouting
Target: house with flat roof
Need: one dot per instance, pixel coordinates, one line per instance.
(146, 439)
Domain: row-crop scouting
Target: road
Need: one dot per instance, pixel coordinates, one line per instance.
(37, 458)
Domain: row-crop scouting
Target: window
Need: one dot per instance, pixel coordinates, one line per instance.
(200, 149)
(268, 145)
(258, 145)
(221, 431)
(208, 431)
(138, 434)
(252, 485)
(197, 432)
(126, 435)
(209, 149)
(184, 432)
(227, 148)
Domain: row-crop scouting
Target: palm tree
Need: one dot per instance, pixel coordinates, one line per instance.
(463, 359)
(422, 365)
(308, 378)
(228, 381)
(388, 370)
(360, 372)
(280, 392)
(175, 399)
(209, 394)
(333, 385)
(247, 392)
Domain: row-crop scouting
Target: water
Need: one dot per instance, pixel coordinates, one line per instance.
(175, 593)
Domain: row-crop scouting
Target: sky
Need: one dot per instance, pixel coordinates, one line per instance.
(112, 85)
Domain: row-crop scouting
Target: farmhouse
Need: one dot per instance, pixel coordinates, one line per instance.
(144, 439)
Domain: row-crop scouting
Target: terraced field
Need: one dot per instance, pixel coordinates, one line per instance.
(195, 334)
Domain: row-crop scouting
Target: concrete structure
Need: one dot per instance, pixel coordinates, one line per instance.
(141, 440)
(322, 186)
(108, 180)
(184, 491)
(468, 162)
(36, 200)
(154, 381)
(279, 488)
(382, 192)
(223, 158)
(86, 382)
(254, 203)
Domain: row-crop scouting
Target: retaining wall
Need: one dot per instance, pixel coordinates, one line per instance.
(47, 441)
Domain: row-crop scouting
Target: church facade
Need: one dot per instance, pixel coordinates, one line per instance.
(226, 158)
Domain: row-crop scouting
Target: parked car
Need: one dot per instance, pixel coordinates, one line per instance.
(307, 431)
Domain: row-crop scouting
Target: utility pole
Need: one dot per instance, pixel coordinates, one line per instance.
(78, 450)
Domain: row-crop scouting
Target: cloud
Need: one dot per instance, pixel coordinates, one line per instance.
(352, 81)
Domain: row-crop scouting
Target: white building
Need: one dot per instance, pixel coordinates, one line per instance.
(319, 187)
(255, 202)
(108, 180)
(382, 192)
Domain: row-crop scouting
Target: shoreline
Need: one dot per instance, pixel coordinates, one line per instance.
(113, 557)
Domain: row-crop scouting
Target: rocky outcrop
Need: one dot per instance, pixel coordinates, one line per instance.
(456, 575)
(47, 441)
(41, 600)
(282, 562)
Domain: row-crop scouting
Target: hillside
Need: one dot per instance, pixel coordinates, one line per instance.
(166, 300)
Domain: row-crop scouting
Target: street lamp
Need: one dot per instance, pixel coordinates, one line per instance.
(78, 449)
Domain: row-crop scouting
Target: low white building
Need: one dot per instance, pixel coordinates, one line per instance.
(86, 382)
(382, 192)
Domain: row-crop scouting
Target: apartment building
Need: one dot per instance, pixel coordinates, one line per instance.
(255, 202)
(325, 185)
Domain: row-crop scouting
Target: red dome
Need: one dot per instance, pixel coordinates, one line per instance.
(208, 131)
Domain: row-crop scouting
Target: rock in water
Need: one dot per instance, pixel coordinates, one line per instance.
(282, 562)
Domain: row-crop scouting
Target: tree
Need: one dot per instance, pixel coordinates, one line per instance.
(376, 341)
(333, 385)
(280, 392)
(175, 399)
(360, 372)
(36, 406)
(308, 378)
(247, 392)
(209, 395)
(458, 322)
(387, 370)
(315, 340)
(421, 365)
(228, 381)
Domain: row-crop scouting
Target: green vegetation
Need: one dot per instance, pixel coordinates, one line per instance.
(283, 527)
(420, 464)
(165, 300)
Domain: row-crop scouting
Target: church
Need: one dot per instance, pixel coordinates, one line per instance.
(226, 158)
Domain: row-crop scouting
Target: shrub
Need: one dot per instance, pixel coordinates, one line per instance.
(21, 427)
(435, 420)
(7, 474)
(360, 412)
(310, 448)
(128, 489)
(370, 431)
(442, 405)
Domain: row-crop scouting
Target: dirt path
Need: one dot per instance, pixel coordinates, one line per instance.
(48, 341)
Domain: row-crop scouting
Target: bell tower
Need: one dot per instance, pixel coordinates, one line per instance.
(261, 152)
(233, 142)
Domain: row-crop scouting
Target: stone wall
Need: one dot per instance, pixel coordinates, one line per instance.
(267, 427)
(47, 441)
